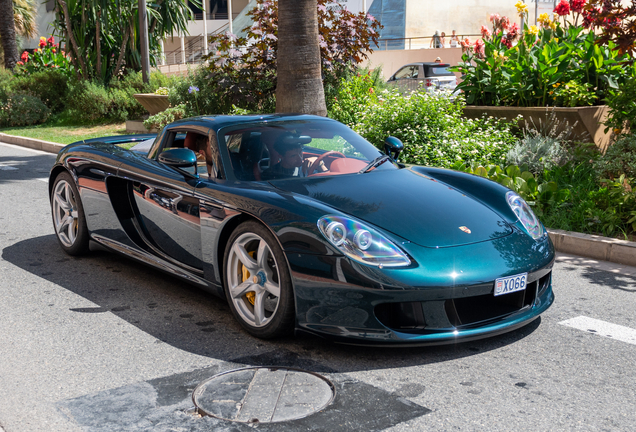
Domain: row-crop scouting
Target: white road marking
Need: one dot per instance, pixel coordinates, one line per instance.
(43, 179)
(4, 167)
(602, 328)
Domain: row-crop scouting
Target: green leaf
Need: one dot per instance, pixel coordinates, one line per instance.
(513, 171)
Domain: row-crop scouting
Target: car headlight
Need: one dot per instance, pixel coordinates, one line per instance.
(525, 215)
(361, 243)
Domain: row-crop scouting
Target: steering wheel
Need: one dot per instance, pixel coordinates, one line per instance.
(315, 164)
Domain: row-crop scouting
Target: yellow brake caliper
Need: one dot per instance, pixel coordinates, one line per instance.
(245, 273)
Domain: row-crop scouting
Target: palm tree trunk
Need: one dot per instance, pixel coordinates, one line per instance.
(7, 34)
(98, 46)
(299, 88)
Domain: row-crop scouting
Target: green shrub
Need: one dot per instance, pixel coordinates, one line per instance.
(622, 106)
(433, 130)
(88, 101)
(538, 153)
(160, 120)
(50, 85)
(619, 159)
(352, 97)
(6, 84)
(203, 101)
(23, 110)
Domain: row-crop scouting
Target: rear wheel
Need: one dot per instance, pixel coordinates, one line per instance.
(257, 282)
(69, 220)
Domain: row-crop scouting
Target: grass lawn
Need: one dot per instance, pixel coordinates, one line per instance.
(66, 134)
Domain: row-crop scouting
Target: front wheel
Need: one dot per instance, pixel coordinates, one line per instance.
(69, 220)
(257, 282)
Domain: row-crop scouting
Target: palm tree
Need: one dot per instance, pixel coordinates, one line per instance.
(102, 36)
(7, 34)
(24, 14)
(299, 87)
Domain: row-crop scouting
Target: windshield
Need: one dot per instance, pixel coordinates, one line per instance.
(295, 149)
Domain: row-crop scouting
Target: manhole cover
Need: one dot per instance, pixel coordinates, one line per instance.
(263, 395)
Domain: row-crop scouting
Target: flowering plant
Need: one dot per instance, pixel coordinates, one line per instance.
(248, 75)
(554, 65)
(47, 56)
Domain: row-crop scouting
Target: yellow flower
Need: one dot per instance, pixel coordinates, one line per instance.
(533, 30)
(553, 26)
(543, 17)
(522, 8)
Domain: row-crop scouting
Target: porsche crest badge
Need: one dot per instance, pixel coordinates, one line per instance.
(465, 229)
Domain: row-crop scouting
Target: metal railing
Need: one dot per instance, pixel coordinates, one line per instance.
(193, 50)
(421, 42)
(214, 16)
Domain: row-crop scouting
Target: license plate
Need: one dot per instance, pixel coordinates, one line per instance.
(510, 284)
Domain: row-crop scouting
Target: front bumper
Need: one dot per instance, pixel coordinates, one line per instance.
(350, 303)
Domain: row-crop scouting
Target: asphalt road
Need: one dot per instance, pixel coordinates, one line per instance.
(102, 343)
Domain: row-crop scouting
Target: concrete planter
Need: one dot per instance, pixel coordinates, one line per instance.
(154, 103)
(589, 120)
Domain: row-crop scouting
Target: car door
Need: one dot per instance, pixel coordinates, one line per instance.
(167, 216)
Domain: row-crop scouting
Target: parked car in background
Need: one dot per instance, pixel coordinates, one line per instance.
(431, 75)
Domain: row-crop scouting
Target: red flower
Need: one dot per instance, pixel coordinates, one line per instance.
(577, 5)
(479, 48)
(50, 41)
(24, 57)
(485, 33)
(562, 8)
(20, 63)
(42, 43)
(504, 23)
(513, 31)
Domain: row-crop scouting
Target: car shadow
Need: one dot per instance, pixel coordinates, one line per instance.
(192, 320)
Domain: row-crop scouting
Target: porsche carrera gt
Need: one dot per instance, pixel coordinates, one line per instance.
(303, 225)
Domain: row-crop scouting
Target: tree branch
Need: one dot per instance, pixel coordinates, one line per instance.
(71, 37)
(122, 50)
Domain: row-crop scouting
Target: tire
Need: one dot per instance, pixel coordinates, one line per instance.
(69, 220)
(257, 282)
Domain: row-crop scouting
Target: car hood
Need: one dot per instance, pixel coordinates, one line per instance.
(409, 204)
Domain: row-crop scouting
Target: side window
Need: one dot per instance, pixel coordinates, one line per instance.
(405, 72)
(174, 140)
(247, 152)
(208, 156)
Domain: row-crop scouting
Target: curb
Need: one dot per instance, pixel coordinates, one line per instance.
(594, 246)
(586, 245)
(32, 143)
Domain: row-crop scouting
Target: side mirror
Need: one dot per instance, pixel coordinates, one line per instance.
(180, 158)
(393, 146)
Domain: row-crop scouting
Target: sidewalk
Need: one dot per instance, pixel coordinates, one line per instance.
(586, 245)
